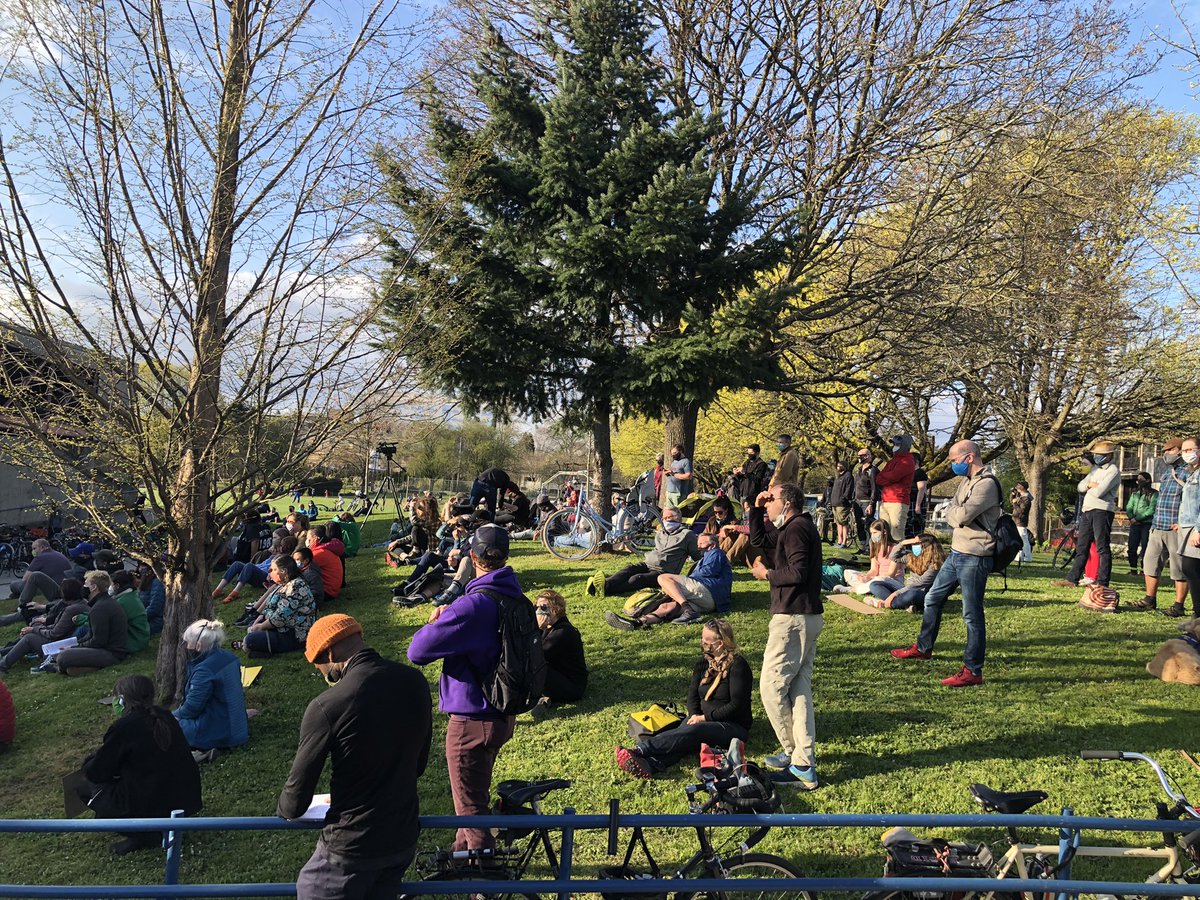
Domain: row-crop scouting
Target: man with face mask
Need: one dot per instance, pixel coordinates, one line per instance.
(754, 473)
(679, 480)
(674, 545)
(841, 498)
(788, 467)
(1139, 507)
(375, 721)
(974, 514)
(1162, 546)
(1099, 488)
(1188, 527)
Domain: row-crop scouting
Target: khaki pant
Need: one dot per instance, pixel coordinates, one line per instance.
(739, 550)
(896, 515)
(786, 683)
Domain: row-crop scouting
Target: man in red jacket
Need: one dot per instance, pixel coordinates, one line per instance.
(895, 485)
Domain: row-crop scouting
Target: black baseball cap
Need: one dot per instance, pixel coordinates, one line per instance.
(490, 543)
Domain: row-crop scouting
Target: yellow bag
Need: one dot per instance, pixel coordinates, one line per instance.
(638, 599)
(658, 718)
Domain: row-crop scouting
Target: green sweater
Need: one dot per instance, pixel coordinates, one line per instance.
(1140, 508)
(138, 635)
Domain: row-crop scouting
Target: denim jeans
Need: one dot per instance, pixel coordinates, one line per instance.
(970, 573)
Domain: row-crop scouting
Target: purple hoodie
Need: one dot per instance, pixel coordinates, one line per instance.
(466, 637)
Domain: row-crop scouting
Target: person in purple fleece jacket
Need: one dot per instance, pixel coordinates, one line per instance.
(465, 636)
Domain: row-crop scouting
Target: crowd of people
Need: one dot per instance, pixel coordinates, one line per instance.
(374, 723)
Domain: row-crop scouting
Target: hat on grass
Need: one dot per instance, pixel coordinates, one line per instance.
(327, 631)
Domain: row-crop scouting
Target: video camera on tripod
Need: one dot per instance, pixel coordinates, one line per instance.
(387, 450)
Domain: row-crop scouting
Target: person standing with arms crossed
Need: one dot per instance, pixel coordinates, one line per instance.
(973, 514)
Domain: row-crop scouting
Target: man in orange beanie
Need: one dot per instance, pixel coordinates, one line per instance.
(375, 721)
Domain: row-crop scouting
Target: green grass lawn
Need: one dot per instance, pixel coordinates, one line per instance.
(890, 737)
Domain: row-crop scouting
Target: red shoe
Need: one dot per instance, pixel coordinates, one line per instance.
(632, 764)
(913, 652)
(964, 678)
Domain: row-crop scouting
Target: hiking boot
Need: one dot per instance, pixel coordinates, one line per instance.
(1176, 611)
(780, 760)
(1064, 582)
(964, 678)
(622, 623)
(911, 652)
(797, 776)
(632, 764)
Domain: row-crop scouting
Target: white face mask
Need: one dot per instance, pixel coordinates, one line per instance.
(876, 538)
(290, 526)
(670, 527)
(1190, 456)
(780, 519)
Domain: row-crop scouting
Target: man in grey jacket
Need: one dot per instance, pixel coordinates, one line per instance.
(674, 545)
(973, 514)
(1099, 488)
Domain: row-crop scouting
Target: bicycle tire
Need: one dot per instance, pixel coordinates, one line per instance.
(756, 865)
(582, 531)
(646, 520)
(466, 876)
(19, 566)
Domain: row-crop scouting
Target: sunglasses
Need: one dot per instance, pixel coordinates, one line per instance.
(542, 609)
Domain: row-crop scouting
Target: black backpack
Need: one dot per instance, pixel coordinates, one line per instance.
(1008, 540)
(515, 685)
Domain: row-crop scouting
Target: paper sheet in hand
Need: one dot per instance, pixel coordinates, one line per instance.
(317, 809)
(249, 673)
(53, 648)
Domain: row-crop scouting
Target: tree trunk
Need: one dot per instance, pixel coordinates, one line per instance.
(602, 460)
(190, 547)
(1035, 473)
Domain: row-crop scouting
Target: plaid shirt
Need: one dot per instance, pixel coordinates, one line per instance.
(1170, 496)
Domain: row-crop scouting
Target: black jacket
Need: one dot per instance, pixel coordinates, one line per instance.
(757, 476)
(865, 488)
(376, 725)
(137, 778)
(793, 556)
(843, 490)
(730, 702)
(563, 648)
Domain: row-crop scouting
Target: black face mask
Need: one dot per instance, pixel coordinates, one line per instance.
(676, 456)
(751, 456)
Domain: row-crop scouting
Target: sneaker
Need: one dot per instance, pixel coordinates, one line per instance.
(964, 678)
(1175, 612)
(688, 618)
(911, 652)
(780, 760)
(48, 667)
(840, 589)
(797, 776)
(1063, 582)
(632, 764)
(541, 709)
(622, 623)
(233, 595)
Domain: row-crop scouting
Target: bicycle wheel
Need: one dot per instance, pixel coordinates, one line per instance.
(570, 536)
(756, 865)
(643, 524)
(467, 894)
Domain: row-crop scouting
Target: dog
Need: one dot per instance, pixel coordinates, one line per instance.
(1178, 659)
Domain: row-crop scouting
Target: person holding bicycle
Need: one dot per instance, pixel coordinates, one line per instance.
(718, 707)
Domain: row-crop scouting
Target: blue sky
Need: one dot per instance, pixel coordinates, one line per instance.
(1169, 86)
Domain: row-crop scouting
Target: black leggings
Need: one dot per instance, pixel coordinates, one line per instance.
(562, 689)
(630, 579)
(1191, 571)
(666, 749)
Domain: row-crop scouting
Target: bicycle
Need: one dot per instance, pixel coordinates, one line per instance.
(578, 531)
(15, 552)
(731, 788)
(910, 856)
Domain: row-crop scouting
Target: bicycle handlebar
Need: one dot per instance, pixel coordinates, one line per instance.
(1163, 778)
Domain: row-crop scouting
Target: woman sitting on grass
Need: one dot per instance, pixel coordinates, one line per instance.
(883, 566)
(421, 539)
(566, 668)
(718, 707)
(286, 616)
(255, 574)
(921, 557)
(213, 712)
(144, 768)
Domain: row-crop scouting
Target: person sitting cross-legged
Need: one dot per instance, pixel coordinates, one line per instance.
(107, 638)
(718, 707)
(286, 616)
(687, 597)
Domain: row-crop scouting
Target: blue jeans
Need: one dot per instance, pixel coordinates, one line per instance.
(245, 573)
(486, 493)
(971, 573)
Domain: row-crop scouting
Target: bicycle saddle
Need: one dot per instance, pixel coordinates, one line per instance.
(518, 793)
(1006, 802)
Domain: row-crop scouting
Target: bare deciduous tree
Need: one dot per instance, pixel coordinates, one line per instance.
(187, 246)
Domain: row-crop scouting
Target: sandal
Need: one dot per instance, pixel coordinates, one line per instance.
(1146, 603)
(237, 645)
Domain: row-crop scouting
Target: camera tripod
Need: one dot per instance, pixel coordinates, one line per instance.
(387, 487)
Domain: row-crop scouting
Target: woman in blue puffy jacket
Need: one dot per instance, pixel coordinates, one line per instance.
(213, 712)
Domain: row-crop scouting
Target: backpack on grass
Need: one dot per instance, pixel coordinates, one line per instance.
(515, 685)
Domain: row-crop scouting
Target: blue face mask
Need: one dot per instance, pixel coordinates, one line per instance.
(960, 468)
(916, 549)
(781, 446)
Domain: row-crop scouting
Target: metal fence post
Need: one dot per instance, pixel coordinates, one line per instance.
(1066, 842)
(566, 855)
(174, 845)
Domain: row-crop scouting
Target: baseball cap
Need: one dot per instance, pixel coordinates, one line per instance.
(490, 543)
(88, 548)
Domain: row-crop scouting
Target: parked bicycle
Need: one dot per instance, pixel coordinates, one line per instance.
(578, 531)
(734, 787)
(910, 856)
(16, 550)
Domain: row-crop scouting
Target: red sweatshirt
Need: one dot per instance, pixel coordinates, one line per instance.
(895, 479)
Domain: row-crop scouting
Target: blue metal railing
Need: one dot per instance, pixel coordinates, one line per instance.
(567, 884)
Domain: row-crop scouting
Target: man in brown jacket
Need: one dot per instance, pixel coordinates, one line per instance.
(973, 514)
